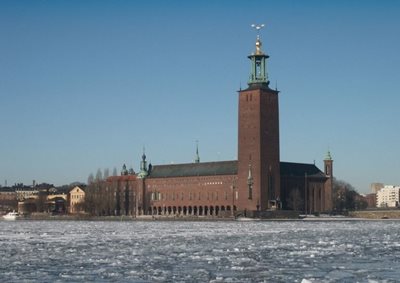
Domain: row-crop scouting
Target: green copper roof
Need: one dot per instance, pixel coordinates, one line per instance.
(228, 168)
(328, 156)
(194, 169)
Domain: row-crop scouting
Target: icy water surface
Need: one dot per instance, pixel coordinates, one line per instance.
(271, 251)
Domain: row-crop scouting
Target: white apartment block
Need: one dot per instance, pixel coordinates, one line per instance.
(388, 196)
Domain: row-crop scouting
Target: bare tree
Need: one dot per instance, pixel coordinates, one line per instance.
(90, 179)
(345, 197)
(295, 200)
(40, 202)
(99, 176)
(106, 173)
(89, 203)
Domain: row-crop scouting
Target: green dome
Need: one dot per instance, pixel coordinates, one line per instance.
(328, 156)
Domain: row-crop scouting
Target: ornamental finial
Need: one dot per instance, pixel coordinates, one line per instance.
(258, 41)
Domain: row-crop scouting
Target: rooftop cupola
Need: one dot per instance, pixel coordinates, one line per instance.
(143, 166)
(328, 156)
(258, 73)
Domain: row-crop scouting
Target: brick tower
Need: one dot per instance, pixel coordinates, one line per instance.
(258, 140)
(328, 187)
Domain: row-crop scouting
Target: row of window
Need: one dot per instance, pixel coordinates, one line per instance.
(155, 196)
(77, 196)
(249, 97)
(175, 185)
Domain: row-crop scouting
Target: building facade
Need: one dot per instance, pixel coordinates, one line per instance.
(388, 196)
(8, 199)
(76, 200)
(258, 181)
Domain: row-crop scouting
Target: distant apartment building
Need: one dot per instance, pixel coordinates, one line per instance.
(388, 196)
(26, 192)
(8, 199)
(375, 187)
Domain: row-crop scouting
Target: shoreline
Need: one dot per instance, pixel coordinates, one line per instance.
(148, 218)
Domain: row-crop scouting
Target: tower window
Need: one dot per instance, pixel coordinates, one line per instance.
(327, 170)
(250, 191)
(271, 187)
(258, 69)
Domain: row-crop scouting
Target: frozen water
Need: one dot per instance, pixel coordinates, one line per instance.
(270, 251)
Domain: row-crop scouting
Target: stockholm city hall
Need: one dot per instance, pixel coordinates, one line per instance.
(257, 183)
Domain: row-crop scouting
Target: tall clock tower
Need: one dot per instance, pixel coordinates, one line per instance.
(258, 142)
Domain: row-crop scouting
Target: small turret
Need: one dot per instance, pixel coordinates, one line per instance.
(197, 159)
(124, 172)
(328, 187)
(328, 156)
(328, 161)
(143, 167)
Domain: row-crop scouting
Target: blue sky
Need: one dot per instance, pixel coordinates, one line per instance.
(86, 84)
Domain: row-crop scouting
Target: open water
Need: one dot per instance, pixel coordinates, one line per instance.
(260, 251)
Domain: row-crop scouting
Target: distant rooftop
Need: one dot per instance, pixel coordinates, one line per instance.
(194, 169)
(228, 168)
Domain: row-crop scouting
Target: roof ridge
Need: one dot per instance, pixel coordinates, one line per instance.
(195, 164)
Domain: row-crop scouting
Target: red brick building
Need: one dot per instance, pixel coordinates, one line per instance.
(258, 181)
(371, 200)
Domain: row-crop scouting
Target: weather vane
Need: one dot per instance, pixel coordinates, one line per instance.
(258, 27)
